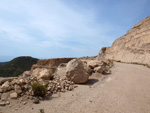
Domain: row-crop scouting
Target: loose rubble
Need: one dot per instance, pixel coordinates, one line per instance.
(22, 86)
(96, 66)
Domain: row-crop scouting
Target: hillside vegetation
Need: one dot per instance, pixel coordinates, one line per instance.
(17, 66)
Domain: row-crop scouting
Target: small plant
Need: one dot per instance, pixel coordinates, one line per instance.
(42, 111)
(39, 89)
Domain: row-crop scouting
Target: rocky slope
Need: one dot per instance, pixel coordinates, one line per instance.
(133, 47)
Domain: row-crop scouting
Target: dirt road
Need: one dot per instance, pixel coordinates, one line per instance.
(126, 90)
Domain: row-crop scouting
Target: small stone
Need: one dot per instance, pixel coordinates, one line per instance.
(24, 103)
(22, 81)
(63, 90)
(26, 86)
(67, 85)
(5, 85)
(72, 83)
(2, 104)
(16, 108)
(59, 87)
(3, 99)
(10, 105)
(18, 89)
(7, 102)
(36, 101)
(13, 95)
(70, 88)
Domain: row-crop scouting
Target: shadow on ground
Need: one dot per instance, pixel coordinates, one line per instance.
(91, 81)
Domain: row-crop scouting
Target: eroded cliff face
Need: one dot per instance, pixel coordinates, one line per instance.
(133, 47)
(50, 63)
(44, 69)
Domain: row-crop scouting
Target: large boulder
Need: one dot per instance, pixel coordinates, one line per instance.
(133, 47)
(77, 71)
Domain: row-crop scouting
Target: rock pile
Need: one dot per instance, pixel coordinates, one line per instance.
(60, 85)
(102, 66)
(79, 71)
(75, 71)
(22, 86)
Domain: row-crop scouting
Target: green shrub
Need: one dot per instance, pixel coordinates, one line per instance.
(42, 111)
(39, 89)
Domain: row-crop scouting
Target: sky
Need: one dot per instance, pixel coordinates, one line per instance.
(65, 28)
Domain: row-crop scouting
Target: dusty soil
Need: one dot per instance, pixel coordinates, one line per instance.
(126, 90)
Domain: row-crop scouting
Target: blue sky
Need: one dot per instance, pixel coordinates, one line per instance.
(65, 28)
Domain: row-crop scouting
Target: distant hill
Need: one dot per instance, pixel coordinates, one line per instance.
(17, 66)
(1, 63)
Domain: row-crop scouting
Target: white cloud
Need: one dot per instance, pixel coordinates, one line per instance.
(56, 20)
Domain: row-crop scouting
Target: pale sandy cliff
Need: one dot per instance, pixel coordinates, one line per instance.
(133, 47)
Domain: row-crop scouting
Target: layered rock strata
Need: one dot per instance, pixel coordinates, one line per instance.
(44, 69)
(133, 47)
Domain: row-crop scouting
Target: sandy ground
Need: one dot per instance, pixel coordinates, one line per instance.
(126, 90)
